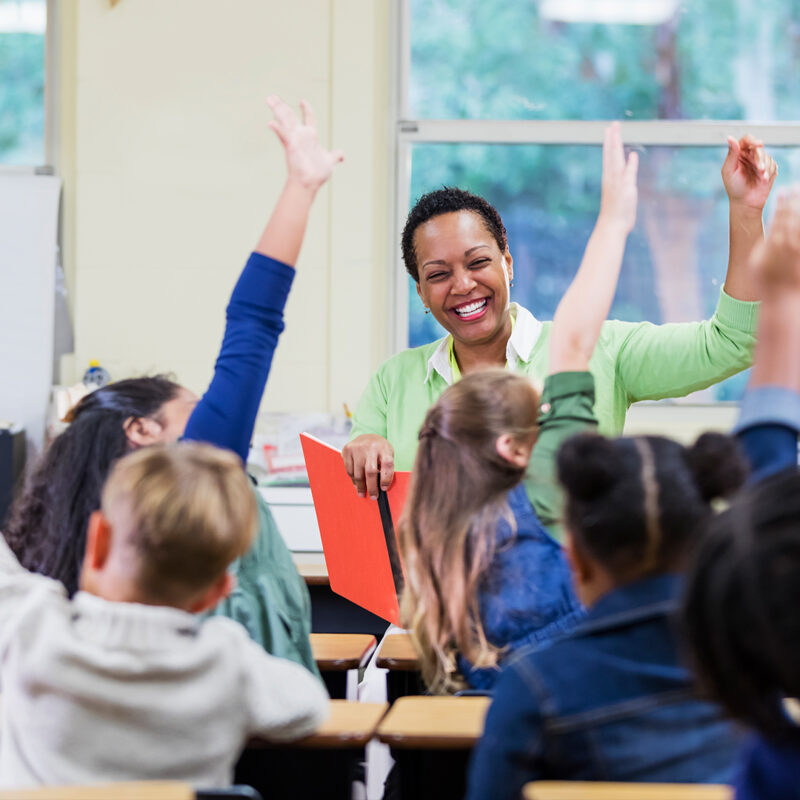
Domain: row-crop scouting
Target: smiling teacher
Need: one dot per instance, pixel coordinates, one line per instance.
(455, 247)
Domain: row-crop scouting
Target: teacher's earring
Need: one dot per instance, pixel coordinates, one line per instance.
(427, 310)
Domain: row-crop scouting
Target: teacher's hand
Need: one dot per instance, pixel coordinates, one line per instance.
(748, 172)
(369, 458)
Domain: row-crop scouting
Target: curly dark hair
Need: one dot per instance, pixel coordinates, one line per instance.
(740, 606)
(47, 526)
(638, 505)
(445, 201)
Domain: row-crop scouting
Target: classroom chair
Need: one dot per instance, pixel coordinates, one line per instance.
(322, 766)
(431, 739)
(590, 790)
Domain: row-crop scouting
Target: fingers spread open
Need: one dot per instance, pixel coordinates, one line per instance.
(309, 118)
(283, 113)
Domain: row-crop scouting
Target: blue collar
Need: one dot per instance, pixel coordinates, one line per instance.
(635, 602)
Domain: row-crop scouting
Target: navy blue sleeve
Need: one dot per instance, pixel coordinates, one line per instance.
(505, 758)
(767, 429)
(226, 414)
(769, 449)
(769, 772)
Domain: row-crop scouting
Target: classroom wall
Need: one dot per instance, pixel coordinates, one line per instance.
(175, 172)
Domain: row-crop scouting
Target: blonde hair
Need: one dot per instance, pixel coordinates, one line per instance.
(447, 530)
(187, 511)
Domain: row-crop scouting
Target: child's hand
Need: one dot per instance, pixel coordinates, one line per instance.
(776, 260)
(307, 161)
(619, 194)
(748, 172)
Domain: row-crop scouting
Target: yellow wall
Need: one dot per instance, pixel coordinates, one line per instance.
(174, 170)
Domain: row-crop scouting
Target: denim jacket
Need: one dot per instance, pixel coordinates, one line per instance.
(609, 700)
(768, 426)
(527, 595)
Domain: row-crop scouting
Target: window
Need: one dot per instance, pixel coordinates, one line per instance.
(510, 100)
(23, 26)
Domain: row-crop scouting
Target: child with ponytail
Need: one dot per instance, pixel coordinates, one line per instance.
(483, 575)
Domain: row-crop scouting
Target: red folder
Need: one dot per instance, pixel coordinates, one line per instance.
(357, 533)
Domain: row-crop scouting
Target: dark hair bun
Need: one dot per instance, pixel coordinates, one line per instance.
(718, 465)
(587, 466)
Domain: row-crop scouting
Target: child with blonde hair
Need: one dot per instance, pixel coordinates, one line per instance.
(124, 681)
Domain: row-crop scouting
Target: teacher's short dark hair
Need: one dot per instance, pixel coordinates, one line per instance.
(447, 200)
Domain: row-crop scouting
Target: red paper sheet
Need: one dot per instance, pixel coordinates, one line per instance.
(353, 539)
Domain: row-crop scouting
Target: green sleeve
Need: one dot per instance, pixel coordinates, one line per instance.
(567, 409)
(655, 361)
(370, 414)
(270, 599)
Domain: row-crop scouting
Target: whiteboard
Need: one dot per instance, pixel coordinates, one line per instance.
(28, 253)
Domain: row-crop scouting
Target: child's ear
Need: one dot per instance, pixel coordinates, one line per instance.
(142, 431)
(98, 540)
(580, 566)
(508, 265)
(513, 450)
(217, 592)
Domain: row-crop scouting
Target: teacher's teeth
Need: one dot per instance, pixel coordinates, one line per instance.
(471, 308)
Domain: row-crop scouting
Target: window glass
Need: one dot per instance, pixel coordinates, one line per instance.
(549, 196)
(22, 73)
(605, 59)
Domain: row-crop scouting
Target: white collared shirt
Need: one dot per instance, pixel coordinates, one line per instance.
(524, 335)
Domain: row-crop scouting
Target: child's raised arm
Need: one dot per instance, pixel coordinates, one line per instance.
(568, 399)
(226, 414)
(585, 305)
(775, 268)
(308, 167)
(770, 417)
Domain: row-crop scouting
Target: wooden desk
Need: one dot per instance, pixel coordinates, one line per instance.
(314, 574)
(349, 725)
(321, 766)
(434, 723)
(336, 652)
(431, 739)
(138, 790)
(585, 790)
(398, 653)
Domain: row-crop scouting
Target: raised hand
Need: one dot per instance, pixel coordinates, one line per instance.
(748, 172)
(307, 161)
(619, 193)
(775, 262)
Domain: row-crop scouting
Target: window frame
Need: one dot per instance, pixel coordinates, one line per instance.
(410, 131)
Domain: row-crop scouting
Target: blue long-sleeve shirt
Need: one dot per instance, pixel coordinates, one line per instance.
(226, 414)
(270, 599)
(768, 428)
